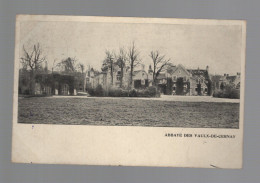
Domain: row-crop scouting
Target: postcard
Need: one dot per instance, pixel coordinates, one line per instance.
(129, 91)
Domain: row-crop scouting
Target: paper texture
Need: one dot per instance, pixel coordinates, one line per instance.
(129, 91)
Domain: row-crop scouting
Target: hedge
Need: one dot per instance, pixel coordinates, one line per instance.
(118, 92)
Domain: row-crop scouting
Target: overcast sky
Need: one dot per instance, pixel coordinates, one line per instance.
(218, 46)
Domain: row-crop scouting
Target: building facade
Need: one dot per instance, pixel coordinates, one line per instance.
(177, 80)
(174, 80)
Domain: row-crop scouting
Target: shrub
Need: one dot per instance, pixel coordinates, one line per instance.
(133, 93)
(148, 92)
(124, 93)
(90, 91)
(235, 93)
(118, 92)
(99, 91)
(227, 92)
(152, 90)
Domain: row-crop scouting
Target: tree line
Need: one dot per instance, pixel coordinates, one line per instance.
(33, 59)
(131, 57)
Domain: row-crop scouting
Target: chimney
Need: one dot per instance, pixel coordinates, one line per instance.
(227, 75)
(207, 68)
(150, 69)
(224, 74)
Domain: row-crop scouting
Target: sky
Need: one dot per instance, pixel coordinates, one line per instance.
(193, 46)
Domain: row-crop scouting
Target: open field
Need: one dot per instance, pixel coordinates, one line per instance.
(127, 112)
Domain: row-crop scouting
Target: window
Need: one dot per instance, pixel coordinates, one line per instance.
(174, 78)
(174, 88)
(179, 72)
(184, 78)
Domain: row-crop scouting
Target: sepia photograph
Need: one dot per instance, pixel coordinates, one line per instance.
(129, 91)
(129, 74)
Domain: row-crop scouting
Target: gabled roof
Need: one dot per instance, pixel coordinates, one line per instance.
(161, 76)
(171, 69)
(231, 78)
(181, 66)
(198, 72)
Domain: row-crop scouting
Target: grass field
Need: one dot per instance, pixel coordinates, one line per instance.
(128, 112)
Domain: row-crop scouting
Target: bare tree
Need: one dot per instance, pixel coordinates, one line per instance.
(108, 64)
(134, 60)
(33, 61)
(121, 62)
(159, 63)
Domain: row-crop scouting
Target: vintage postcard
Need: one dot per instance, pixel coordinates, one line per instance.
(129, 91)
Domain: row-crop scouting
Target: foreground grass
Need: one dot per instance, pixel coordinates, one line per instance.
(128, 112)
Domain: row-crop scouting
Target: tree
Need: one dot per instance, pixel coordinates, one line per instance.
(199, 89)
(222, 86)
(134, 60)
(32, 61)
(121, 62)
(169, 86)
(209, 86)
(81, 67)
(179, 86)
(108, 64)
(54, 65)
(159, 63)
(68, 65)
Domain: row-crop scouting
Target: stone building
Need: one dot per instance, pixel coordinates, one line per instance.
(182, 81)
(120, 78)
(219, 82)
(173, 80)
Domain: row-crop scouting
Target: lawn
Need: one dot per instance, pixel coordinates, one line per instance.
(128, 112)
